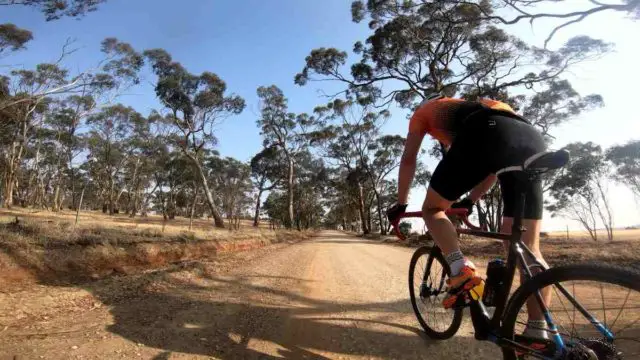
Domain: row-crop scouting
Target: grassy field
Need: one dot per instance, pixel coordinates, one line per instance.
(557, 247)
(624, 250)
(154, 223)
(37, 244)
(619, 234)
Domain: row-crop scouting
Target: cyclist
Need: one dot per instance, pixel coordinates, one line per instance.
(479, 138)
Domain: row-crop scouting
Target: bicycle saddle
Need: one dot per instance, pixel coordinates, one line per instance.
(547, 160)
(543, 161)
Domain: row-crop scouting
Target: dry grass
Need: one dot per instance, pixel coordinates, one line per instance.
(202, 228)
(50, 246)
(618, 234)
(558, 251)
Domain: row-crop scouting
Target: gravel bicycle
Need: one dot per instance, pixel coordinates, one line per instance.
(595, 309)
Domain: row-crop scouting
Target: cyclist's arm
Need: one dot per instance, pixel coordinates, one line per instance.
(408, 165)
(482, 188)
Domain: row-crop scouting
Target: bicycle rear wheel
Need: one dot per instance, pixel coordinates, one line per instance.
(608, 295)
(428, 272)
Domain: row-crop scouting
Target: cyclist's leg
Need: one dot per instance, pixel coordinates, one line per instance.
(531, 238)
(457, 173)
(463, 276)
(440, 227)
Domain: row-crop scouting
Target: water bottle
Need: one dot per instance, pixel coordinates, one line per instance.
(496, 274)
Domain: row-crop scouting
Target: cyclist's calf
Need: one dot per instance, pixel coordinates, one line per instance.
(439, 225)
(531, 237)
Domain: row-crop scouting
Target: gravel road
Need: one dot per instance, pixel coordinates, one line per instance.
(333, 297)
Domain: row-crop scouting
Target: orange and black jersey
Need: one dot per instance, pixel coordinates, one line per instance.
(442, 117)
(482, 138)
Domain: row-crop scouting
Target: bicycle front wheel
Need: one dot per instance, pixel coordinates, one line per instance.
(428, 272)
(595, 307)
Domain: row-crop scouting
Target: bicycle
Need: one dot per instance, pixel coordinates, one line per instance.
(600, 341)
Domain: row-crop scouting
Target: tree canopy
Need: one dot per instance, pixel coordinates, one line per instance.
(444, 46)
(56, 9)
(67, 141)
(13, 38)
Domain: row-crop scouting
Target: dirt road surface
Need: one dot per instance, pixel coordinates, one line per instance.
(334, 297)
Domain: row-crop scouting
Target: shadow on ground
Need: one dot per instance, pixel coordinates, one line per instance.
(180, 319)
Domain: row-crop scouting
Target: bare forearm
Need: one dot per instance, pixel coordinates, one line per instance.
(408, 165)
(405, 177)
(482, 188)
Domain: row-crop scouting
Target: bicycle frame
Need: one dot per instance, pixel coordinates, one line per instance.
(486, 327)
(516, 252)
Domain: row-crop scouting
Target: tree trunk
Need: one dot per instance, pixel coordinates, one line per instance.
(500, 212)
(8, 187)
(110, 196)
(73, 185)
(9, 177)
(132, 207)
(482, 216)
(369, 223)
(17, 148)
(582, 210)
(62, 200)
(79, 205)
(39, 201)
(127, 206)
(120, 193)
(363, 219)
(57, 202)
(606, 215)
(256, 217)
(130, 188)
(193, 205)
(290, 194)
(33, 179)
(162, 204)
(171, 204)
(56, 197)
(383, 230)
(145, 201)
(217, 219)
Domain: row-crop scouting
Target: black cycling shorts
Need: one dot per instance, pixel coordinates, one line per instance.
(483, 145)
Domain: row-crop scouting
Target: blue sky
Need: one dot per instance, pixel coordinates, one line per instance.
(251, 43)
(247, 43)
